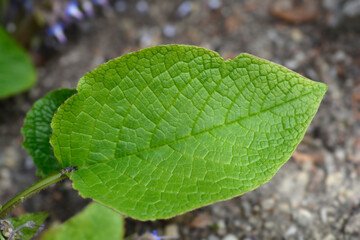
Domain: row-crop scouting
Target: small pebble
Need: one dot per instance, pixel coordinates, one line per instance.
(269, 225)
(290, 231)
(230, 237)
(353, 225)
(146, 39)
(9, 157)
(340, 56)
(185, 8)
(304, 217)
(268, 204)
(334, 180)
(5, 180)
(213, 237)
(142, 6)
(120, 6)
(297, 36)
(214, 4)
(340, 154)
(329, 237)
(324, 215)
(221, 227)
(29, 163)
(237, 223)
(331, 4)
(352, 8)
(169, 30)
(171, 230)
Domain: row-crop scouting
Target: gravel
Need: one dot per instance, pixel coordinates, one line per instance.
(316, 195)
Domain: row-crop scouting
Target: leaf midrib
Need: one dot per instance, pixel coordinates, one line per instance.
(196, 134)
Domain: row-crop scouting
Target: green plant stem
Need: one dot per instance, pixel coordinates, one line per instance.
(38, 186)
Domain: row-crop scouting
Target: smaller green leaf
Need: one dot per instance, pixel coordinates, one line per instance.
(28, 233)
(17, 73)
(37, 130)
(95, 222)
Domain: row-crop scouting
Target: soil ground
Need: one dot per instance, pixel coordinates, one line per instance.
(315, 195)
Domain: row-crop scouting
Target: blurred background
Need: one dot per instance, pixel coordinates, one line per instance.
(316, 195)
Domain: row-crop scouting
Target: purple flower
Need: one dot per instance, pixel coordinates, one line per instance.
(72, 10)
(104, 3)
(156, 237)
(88, 8)
(57, 31)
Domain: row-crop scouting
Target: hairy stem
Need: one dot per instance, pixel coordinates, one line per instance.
(38, 186)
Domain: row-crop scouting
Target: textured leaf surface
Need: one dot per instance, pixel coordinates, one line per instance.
(28, 233)
(168, 129)
(37, 130)
(93, 223)
(16, 70)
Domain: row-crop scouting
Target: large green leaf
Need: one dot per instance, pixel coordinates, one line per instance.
(37, 218)
(37, 130)
(168, 129)
(95, 222)
(17, 73)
